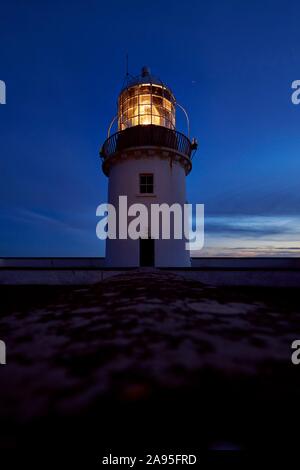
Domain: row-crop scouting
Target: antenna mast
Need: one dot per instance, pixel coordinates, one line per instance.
(127, 64)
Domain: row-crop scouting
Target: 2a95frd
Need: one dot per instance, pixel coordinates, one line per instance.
(171, 459)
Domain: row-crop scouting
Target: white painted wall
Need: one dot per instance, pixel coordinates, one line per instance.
(169, 187)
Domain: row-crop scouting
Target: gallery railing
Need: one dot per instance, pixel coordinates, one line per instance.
(149, 135)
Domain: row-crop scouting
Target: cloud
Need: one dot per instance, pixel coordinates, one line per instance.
(258, 226)
(251, 236)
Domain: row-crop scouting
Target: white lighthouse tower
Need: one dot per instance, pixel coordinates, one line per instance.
(147, 160)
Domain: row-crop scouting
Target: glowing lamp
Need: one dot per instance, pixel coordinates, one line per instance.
(146, 100)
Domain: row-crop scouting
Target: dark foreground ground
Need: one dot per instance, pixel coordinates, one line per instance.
(148, 360)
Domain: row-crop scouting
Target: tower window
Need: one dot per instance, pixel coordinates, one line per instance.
(146, 183)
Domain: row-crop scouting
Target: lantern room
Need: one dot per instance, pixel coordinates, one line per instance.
(146, 100)
(146, 117)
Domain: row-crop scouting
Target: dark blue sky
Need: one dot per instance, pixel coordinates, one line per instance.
(230, 63)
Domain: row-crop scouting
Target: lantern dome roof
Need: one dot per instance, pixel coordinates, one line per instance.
(145, 77)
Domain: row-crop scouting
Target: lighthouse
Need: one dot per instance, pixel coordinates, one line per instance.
(146, 162)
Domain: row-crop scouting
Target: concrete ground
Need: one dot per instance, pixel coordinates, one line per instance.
(149, 358)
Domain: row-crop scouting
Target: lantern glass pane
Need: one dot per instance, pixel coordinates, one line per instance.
(146, 104)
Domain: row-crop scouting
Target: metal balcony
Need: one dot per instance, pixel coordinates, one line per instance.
(150, 135)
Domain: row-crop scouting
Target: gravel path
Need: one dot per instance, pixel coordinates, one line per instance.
(153, 341)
